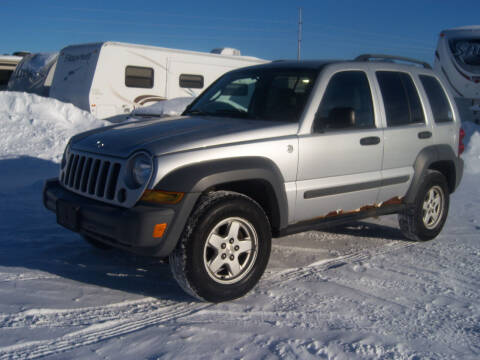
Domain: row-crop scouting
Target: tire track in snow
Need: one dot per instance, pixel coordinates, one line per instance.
(35, 318)
(98, 332)
(149, 313)
(322, 265)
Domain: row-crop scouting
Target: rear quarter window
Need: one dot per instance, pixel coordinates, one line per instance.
(442, 112)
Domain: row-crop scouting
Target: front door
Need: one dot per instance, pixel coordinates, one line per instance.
(340, 160)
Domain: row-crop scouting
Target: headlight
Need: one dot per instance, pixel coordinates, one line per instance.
(141, 170)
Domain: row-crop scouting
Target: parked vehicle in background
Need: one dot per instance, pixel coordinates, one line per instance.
(8, 63)
(457, 58)
(34, 74)
(272, 149)
(112, 78)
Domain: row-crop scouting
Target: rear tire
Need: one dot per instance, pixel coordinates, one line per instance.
(224, 248)
(425, 218)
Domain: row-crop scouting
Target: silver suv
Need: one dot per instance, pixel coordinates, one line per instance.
(266, 151)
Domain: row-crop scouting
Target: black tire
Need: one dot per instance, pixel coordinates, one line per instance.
(97, 244)
(425, 218)
(224, 248)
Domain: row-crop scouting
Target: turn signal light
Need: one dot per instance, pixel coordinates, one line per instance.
(162, 197)
(159, 230)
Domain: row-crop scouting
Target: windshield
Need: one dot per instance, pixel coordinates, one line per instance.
(467, 53)
(263, 94)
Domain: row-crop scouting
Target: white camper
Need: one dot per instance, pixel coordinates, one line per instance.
(8, 63)
(457, 58)
(111, 78)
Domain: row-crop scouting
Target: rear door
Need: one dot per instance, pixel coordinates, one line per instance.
(406, 131)
(340, 156)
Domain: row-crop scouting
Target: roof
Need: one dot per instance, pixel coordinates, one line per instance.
(463, 29)
(319, 64)
(159, 48)
(293, 64)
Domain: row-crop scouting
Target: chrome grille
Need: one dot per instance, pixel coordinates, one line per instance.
(91, 176)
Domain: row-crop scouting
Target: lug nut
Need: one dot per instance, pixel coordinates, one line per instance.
(237, 248)
(231, 241)
(224, 246)
(232, 257)
(224, 256)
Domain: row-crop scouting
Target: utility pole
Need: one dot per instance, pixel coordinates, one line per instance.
(299, 33)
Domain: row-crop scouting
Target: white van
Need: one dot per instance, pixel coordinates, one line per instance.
(112, 78)
(8, 63)
(457, 58)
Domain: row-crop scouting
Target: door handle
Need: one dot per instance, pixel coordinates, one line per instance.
(424, 135)
(371, 140)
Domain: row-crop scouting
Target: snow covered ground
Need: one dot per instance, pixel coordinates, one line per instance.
(357, 291)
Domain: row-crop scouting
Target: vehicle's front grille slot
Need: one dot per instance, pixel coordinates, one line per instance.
(73, 169)
(92, 176)
(86, 174)
(78, 174)
(112, 182)
(102, 179)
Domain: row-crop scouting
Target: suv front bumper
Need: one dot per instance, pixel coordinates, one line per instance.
(130, 229)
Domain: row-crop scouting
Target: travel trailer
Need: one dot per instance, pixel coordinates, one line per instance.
(8, 63)
(457, 58)
(112, 78)
(34, 74)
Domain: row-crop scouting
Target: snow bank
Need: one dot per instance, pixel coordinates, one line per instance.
(472, 152)
(39, 127)
(170, 107)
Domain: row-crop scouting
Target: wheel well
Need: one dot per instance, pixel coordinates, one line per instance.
(447, 168)
(260, 191)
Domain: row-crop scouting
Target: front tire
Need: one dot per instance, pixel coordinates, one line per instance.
(224, 248)
(425, 218)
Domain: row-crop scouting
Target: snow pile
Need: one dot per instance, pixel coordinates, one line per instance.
(170, 107)
(472, 152)
(39, 127)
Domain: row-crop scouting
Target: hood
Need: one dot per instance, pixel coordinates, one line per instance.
(163, 136)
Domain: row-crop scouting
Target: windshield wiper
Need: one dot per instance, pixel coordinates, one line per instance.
(196, 112)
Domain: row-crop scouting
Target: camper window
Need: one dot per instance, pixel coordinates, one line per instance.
(191, 81)
(139, 77)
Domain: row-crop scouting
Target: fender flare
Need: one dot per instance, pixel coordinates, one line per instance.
(198, 177)
(424, 161)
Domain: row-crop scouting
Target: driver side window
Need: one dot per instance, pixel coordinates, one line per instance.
(346, 104)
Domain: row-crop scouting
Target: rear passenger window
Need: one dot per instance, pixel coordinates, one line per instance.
(400, 97)
(139, 77)
(442, 112)
(346, 104)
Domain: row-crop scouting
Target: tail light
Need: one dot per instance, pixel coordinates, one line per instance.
(461, 145)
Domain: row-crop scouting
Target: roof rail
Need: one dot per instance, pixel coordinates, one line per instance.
(367, 57)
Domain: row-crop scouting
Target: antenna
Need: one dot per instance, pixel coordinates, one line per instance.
(299, 33)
